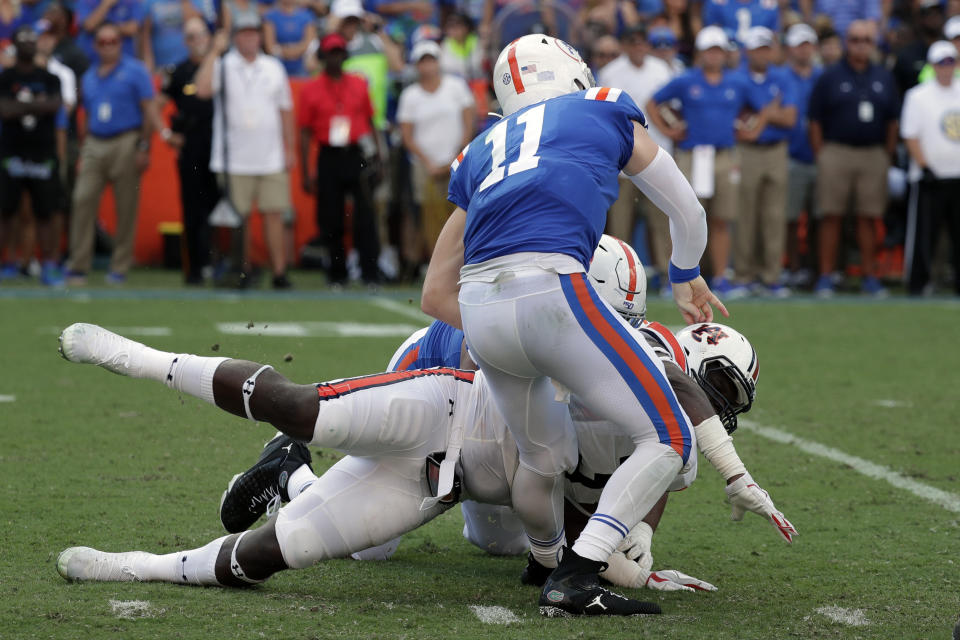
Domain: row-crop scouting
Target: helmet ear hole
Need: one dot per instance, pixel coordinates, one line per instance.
(579, 85)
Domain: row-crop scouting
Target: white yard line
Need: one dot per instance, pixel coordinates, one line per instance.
(316, 329)
(410, 310)
(133, 609)
(6, 398)
(945, 499)
(852, 617)
(494, 615)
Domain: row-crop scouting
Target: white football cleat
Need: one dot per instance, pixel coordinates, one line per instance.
(91, 344)
(84, 563)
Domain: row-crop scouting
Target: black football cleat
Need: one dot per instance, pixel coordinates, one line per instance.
(250, 493)
(574, 590)
(534, 574)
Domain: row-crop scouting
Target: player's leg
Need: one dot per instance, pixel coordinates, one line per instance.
(368, 415)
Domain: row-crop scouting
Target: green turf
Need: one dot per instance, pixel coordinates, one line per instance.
(90, 458)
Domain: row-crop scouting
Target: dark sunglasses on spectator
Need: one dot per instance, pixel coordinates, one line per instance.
(106, 42)
(946, 61)
(859, 40)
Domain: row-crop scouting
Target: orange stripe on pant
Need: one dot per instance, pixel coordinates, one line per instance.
(602, 325)
(330, 390)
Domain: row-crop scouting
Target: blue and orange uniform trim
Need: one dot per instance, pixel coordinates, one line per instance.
(641, 374)
(330, 390)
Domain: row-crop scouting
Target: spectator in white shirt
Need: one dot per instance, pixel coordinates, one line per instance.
(640, 74)
(260, 134)
(436, 116)
(930, 127)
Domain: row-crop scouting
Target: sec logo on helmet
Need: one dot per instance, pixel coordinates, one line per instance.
(506, 78)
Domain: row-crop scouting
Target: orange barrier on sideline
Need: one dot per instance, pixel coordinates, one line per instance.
(160, 202)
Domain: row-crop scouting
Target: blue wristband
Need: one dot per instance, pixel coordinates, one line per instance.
(678, 275)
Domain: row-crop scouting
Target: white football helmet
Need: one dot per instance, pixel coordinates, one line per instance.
(619, 278)
(725, 365)
(536, 67)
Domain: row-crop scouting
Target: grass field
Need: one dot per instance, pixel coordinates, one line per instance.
(95, 459)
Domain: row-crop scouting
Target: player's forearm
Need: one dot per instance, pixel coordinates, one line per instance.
(667, 188)
(916, 152)
(440, 287)
(717, 447)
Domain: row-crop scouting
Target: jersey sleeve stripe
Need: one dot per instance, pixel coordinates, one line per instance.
(408, 359)
(632, 284)
(605, 94)
(515, 70)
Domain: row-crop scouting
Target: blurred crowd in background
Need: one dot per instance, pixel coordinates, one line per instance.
(822, 136)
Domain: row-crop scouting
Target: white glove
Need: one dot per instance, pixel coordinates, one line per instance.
(636, 546)
(746, 495)
(670, 580)
(624, 572)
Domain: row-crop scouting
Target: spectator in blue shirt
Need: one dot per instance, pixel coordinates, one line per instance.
(121, 113)
(162, 33)
(737, 16)
(853, 115)
(842, 13)
(125, 15)
(761, 225)
(801, 41)
(710, 97)
(287, 32)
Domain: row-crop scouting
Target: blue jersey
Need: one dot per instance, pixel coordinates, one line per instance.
(739, 15)
(289, 29)
(439, 347)
(709, 109)
(800, 148)
(542, 179)
(764, 89)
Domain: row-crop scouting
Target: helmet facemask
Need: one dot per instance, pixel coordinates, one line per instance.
(730, 391)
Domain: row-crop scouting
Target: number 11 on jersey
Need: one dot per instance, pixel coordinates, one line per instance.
(532, 122)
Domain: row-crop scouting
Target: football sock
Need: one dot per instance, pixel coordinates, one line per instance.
(538, 501)
(195, 566)
(300, 480)
(192, 374)
(629, 494)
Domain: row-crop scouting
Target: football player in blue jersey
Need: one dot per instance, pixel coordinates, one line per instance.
(531, 197)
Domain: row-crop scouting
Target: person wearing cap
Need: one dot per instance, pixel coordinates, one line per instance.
(927, 23)
(125, 15)
(853, 112)
(121, 116)
(761, 224)
(802, 70)
(710, 98)
(191, 136)
(436, 116)
(664, 45)
(288, 30)
(640, 75)
(29, 102)
(951, 32)
(256, 152)
(930, 127)
(336, 115)
(737, 16)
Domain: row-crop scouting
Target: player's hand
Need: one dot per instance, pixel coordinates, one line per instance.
(746, 495)
(694, 299)
(672, 580)
(624, 572)
(636, 546)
